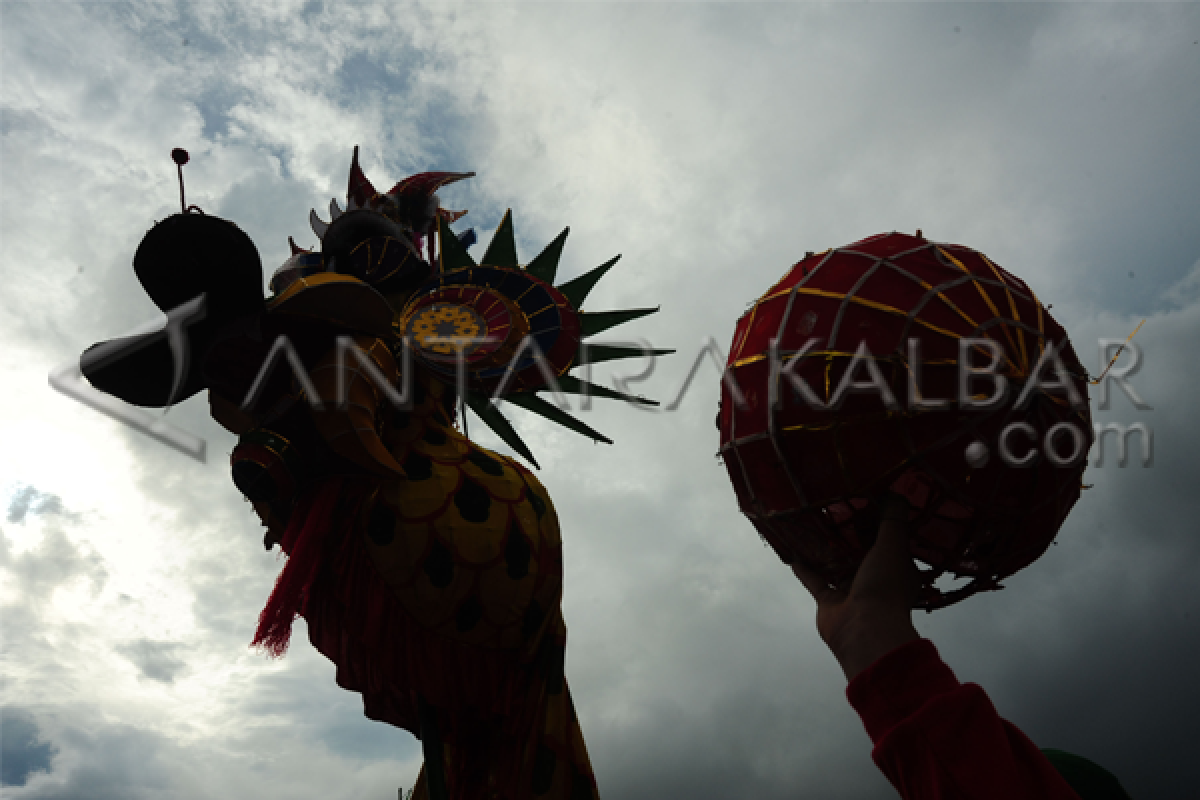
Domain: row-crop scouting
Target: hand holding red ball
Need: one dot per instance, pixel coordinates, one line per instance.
(873, 616)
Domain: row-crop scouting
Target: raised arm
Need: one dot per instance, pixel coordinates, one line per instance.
(934, 737)
(875, 615)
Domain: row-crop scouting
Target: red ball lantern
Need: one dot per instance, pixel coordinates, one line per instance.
(901, 364)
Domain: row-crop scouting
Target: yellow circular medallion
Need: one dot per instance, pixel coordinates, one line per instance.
(435, 328)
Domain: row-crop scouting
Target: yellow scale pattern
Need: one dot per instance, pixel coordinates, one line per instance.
(469, 543)
(493, 518)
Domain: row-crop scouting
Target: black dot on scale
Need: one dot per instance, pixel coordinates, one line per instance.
(418, 467)
(382, 526)
(539, 505)
(517, 553)
(472, 501)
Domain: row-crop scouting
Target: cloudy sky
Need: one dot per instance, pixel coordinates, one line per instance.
(711, 145)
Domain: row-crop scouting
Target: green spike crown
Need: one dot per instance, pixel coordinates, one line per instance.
(518, 332)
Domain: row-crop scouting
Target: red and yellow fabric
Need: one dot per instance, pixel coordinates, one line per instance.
(444, 584)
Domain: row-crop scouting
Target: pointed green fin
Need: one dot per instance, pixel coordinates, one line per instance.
(502, 250)
(595, 353)
(577, 290)
(531, 402)
(572, 385)
(545, 266)
(593, 323)
(451, 253)
(499, 424)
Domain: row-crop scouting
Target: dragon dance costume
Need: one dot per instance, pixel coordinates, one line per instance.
(427, 568)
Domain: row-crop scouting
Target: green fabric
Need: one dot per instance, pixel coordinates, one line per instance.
(572, 385)
(502, 251)
(1089, 780)
(598, 321)
(545, 266)
(576, 291)
(596, 353)
(531, 402)
(453, 254)
(499, 424)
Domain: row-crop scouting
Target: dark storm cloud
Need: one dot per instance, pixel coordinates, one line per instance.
(1063, 649)
(1037, 134)
(22, 750)
(703, 675)
(1090, 648)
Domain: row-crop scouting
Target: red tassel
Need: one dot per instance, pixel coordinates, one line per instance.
(304, 542)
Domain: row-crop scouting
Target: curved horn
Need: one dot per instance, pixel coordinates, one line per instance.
(426, 183)
(318, 226)
(359, 189)
(335, 210)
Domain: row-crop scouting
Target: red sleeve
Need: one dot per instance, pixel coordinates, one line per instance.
(937, 739)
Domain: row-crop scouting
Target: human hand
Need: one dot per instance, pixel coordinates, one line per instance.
(874, 616)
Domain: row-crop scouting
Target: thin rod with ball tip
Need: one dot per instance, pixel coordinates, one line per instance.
(180, 157)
